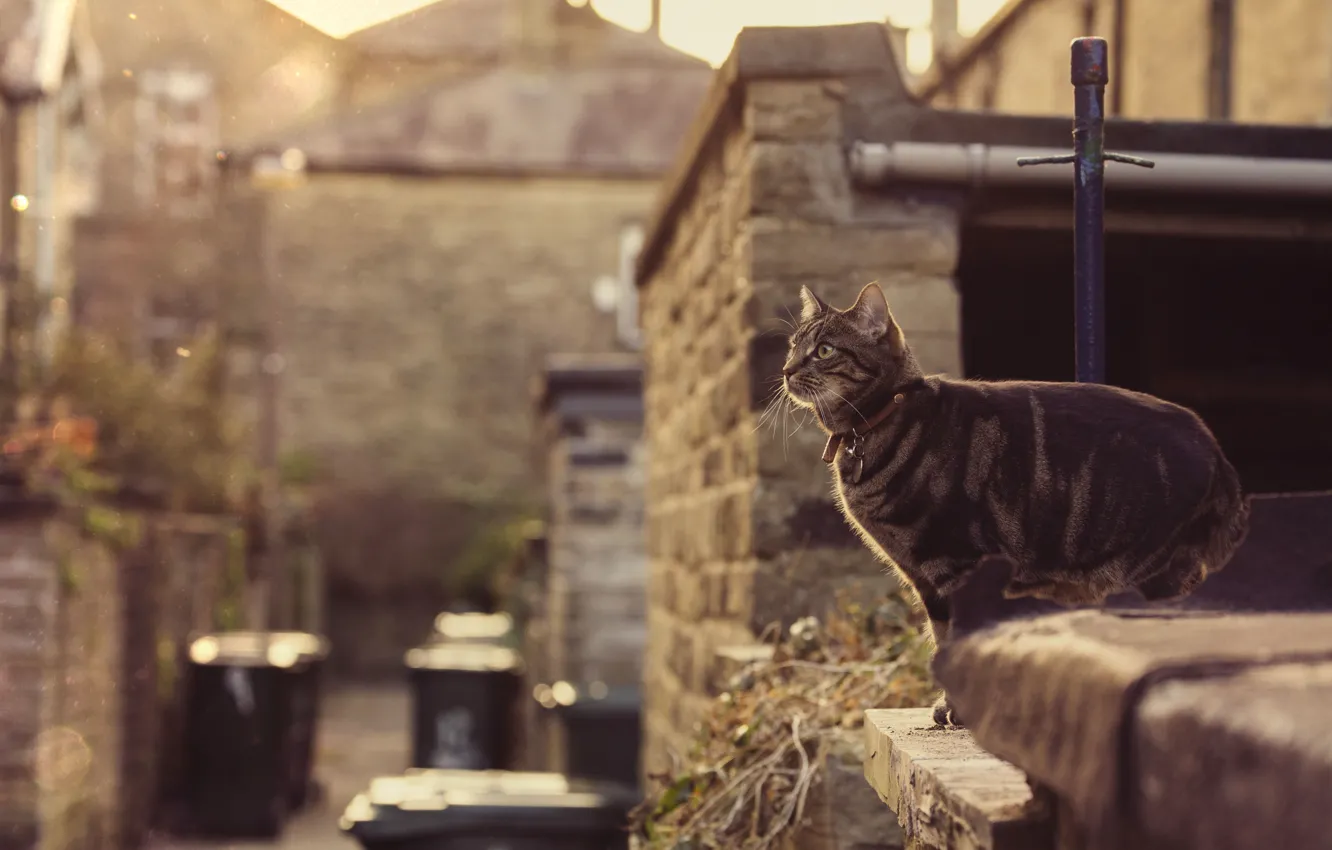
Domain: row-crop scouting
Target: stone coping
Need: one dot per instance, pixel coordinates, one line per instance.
(598, 386)
(1113, 711)
(948, 793)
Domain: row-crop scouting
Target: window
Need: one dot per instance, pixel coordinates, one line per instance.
(177, 141)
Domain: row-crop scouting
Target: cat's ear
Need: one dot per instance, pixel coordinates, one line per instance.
(810, 304)
(870, 312)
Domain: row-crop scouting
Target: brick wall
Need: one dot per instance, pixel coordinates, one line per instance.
(742, 531)
(415, 312)
(1165, 48)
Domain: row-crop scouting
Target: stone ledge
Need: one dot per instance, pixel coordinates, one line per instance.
(1257, 759)
(947, 792)
(1086, 703)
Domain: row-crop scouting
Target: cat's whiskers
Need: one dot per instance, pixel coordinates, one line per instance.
(862, 416)
(774, 403)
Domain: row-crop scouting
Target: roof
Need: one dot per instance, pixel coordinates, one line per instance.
(516, 120)
(478, 30)
(34, 43)
(606, 102)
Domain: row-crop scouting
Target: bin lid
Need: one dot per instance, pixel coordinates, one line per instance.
(258, 649)
(475, 657)
(595, 698)
(423, 803)
(473, 628)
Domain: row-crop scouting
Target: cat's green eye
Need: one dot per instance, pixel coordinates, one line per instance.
(823, 352)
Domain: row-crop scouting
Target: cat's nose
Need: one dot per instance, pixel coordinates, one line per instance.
(788, 370)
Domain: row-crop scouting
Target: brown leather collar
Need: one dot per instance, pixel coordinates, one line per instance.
(835, 441)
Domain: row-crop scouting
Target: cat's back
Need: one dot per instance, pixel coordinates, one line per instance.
(1069, 403)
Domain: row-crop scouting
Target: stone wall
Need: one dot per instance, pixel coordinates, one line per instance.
(92, 650)
(742, 532)
(1019, 63)
(60, 629)
(414, 313)
(597, 581)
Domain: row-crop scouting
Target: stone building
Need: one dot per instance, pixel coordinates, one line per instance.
(168, 248)
(1242, 60)
(49, 75)
(813, 163)
(591, 422)
(591, 625)
(437, 247)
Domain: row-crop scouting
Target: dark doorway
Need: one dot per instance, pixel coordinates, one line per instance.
(1240, 330)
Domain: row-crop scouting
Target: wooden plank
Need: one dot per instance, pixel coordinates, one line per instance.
(948, 793)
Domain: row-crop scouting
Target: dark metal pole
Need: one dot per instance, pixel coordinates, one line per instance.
(1090, 75)
(1090, 72)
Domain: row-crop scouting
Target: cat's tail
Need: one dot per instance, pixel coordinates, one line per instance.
(1221, 523)
(1207, 541)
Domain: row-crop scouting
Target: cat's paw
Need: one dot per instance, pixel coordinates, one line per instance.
(945, 715)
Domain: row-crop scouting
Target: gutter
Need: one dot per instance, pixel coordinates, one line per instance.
(877, 165)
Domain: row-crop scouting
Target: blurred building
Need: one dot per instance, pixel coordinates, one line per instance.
(470, 183)
(1262, 61)
(49, 74)
(474, 208)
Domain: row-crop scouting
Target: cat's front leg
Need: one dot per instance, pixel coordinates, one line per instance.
(940, 612)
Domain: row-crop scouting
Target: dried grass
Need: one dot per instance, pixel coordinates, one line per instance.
(759, 752)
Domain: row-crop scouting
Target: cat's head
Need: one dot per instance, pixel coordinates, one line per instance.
(843, 361)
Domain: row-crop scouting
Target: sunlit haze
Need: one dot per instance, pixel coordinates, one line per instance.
(704, 28)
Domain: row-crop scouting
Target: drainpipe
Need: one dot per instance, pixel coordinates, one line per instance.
(44, 206)
(943, 27)
(1118, 32)
(9, 250)
(876, 165)
(1220, 79)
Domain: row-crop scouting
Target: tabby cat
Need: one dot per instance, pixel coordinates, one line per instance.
(1086, 490)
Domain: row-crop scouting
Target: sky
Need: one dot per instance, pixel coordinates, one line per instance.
(705, 28)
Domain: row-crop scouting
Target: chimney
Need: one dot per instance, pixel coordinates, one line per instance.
(943, 27)
(655, 26)
(531, 30)
(897, 41)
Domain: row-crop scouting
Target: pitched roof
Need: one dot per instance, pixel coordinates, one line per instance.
(477, 30)
(513, 119)
(619, 107)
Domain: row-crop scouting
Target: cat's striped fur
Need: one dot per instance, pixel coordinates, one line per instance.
(1087, 490)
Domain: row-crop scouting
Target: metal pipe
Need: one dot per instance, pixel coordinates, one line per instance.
(876, 165)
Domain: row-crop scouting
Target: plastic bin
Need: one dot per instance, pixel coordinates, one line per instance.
(476, 810)
(249, 731)
(306, 701)
(602, 730)
(464, 701)
(494, 629)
